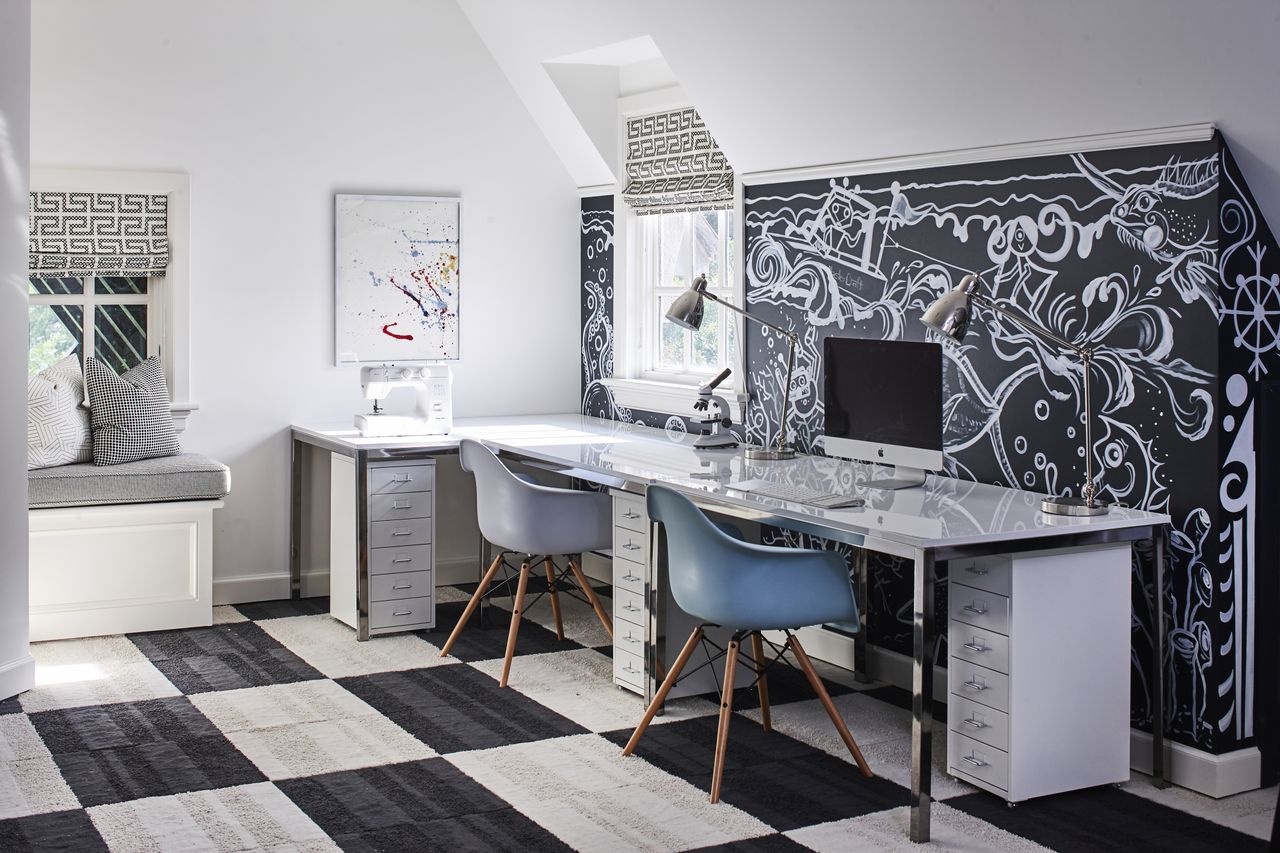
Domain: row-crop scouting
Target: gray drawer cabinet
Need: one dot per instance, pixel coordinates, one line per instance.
(382, 570)
(1039, 702)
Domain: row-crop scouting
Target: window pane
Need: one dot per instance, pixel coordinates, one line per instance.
(117, 284)
(706, 341)
(673, 263)
(55, 285)
(120, 335)
(671, 339)
(706, 246)
(55, 332)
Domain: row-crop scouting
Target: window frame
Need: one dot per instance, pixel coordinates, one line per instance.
(90, 300)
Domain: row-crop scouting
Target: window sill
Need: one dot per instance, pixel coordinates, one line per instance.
(667, 398)
(180, 413)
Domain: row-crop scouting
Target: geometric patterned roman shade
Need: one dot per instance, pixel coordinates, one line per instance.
(98, 234)
(673, 164)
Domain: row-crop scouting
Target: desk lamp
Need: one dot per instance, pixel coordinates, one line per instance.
(686, 312)
(949, 316)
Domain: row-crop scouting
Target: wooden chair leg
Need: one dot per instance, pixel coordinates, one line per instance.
(516, 613)
(762, 683)
(591, 596)
(816, 683)
(661, 695)
(555, 598)
(471, 605)
(726, 713)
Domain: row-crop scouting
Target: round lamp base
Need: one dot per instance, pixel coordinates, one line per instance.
(770, 454)
(1073, 506)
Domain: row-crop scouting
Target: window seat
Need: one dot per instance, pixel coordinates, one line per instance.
(123, 548)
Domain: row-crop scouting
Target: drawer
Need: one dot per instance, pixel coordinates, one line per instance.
(408, 611)
(631, 545)
(979, 722)
(976, 645)
(994, 574)
(628, 607)
(399, 505)
(409, 558)
(385, 479)
(629, 513)
(396, 534)
(973, 758)
(979, 608)
(401, 585)
(982, 685)
(628, 638)
(629, 668)
(629, 576)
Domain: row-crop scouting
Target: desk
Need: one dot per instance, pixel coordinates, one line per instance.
(947, 519)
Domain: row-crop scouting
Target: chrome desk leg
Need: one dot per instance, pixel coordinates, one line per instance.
(861, 564)
(1158, 630)
(922, 697)
(296, 454)
(362, 545)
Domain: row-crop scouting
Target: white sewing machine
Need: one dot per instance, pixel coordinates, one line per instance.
(433, 408)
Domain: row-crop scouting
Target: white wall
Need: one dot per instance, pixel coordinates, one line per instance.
(15, 660)
(272, 108)
(808, 82)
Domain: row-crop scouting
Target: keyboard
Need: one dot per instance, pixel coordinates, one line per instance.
(798, 494)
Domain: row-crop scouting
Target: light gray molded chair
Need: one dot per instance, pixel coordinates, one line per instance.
(723, 581)
(539, 523)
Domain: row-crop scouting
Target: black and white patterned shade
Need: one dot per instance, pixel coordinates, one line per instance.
(98, 234)
(674, 164)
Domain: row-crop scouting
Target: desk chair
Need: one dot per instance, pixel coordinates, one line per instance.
(723, 581)
(539, 522)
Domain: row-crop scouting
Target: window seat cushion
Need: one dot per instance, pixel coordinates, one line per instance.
(185, 477)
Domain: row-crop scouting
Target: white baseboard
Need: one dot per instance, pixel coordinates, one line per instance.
(17, 676)
(1212, 775)
(243, 589)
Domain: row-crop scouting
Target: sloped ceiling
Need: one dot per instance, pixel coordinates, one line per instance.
(807, 82)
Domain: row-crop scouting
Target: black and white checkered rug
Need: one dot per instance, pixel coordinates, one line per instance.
(275, 730)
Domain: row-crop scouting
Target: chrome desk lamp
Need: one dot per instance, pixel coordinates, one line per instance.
(949, 316)
(686, 312)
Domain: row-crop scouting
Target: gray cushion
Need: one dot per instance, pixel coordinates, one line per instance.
(185, 477)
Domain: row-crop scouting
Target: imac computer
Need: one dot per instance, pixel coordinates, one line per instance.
(883, 403)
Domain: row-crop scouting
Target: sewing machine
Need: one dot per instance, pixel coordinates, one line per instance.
(719, 421)
(433, 406)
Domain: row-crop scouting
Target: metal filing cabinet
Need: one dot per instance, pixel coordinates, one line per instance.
(395, 588)
(630, 591)
(1038, 702)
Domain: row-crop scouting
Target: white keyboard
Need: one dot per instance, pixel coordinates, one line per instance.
(798, 494)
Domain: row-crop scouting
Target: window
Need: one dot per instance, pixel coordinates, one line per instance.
(108, 318)
(675, 248)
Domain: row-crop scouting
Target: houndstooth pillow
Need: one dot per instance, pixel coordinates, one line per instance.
(57, 425)
(130, 413)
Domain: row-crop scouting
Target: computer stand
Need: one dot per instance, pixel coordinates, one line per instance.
(903, 478)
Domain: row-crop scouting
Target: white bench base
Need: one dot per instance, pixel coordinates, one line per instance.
(121, 568)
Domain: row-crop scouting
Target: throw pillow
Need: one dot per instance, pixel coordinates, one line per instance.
(130, 413)
(57, 423)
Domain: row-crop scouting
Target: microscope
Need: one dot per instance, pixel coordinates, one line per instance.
(433, 403)
(719, 437)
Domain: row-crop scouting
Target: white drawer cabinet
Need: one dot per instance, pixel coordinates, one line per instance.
(1039, 700)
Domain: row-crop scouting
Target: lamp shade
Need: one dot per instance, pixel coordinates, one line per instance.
(950, 313)
(686, 310)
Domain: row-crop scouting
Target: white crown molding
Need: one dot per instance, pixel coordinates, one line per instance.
(1011, 151)
(598, 190)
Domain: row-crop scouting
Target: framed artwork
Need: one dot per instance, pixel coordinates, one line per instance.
(396, 278)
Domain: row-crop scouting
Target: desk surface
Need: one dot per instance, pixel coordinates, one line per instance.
(944, 512)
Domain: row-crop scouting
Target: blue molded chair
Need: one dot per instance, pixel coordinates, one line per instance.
(538, 522)
(723, 581)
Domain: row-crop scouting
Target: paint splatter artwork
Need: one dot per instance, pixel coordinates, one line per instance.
(396, 278)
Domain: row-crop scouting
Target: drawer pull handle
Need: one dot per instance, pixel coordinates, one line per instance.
(402, 613)
(402, 560)
(977, 647)
(975, 685)
(631, 546)
(977, 724)
(630, 514)
(401, 532)
(975, 610)
(628, 668)
(630, 609)
(402, 478)
(974, 570)
(631, 639)
(403, 586)
(630, 577)
(976, 762)
(402, 504)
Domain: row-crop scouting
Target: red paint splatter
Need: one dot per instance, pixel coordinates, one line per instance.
(386, 330)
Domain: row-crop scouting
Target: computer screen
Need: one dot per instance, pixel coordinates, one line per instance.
(883, 400)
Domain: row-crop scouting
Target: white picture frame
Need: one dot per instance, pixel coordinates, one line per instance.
(397, 294)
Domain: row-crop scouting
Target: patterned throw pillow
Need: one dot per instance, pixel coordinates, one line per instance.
(130, 413)
(57, 423)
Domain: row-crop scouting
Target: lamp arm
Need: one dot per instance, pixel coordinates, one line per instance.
(741, 311)
(1030, 325)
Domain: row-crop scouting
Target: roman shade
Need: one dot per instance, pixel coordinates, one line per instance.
(76, 234)
(673, 164)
